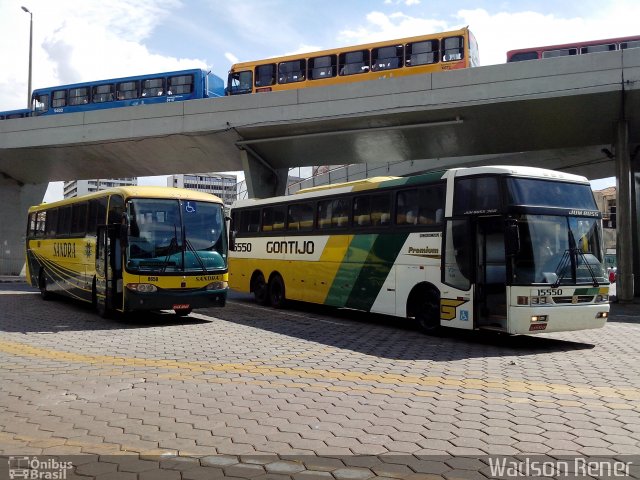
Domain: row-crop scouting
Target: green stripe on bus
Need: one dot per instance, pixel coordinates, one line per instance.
(418, 179)
(349, 270)
(586, 291)
(381, 258)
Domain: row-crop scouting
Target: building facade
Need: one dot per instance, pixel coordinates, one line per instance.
(76, 188)
(222, 185)
(606, 201)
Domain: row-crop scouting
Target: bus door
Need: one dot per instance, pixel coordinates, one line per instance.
(108, 269)
(457, 293)
(491, 267)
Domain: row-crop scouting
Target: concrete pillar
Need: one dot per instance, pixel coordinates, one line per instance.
(624, 220)
(15, 200)
(263, 181)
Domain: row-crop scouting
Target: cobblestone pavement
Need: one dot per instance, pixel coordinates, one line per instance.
(304, 393)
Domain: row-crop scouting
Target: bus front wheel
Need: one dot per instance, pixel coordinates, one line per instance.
(276, 292)
(425, 308)
(42, 285)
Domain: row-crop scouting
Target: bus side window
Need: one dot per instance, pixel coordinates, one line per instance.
(52, 223)
(154, 87)
(41, 220)
(453, 49)
(362, 211)
(249, 221)
(386, 58)
(266, 75)
(273, 218)
(127, 90)
(64, 221)
(334, 213)
(422, 53)
(380, 210)
(102, 93)
(564, 52)
(79, 96)
(59, 98)
(353, 63)
(523, 56)
(300, 216)
(180, 85)
(322, 67)
(291, 72)
(79, 219)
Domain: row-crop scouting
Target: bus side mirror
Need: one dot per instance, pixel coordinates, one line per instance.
(232, 240)
(512, 238)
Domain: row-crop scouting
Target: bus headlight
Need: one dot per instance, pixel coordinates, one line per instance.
(142, 287)
(220, 285)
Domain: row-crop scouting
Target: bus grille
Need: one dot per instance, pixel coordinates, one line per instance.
(578, 299)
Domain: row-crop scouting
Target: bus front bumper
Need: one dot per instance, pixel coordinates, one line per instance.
(169, 300)
(559, 318)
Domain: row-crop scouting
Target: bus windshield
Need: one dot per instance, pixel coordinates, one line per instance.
(175, 236)
(558, 250)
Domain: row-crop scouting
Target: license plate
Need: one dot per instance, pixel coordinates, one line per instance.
(537, 326)
(181, 306)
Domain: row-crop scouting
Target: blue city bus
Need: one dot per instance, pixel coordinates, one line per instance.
(20, 113)
(127, 91)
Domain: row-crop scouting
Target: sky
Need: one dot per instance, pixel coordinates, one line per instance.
(75, 41)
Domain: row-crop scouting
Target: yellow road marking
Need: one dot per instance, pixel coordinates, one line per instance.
(489, 385)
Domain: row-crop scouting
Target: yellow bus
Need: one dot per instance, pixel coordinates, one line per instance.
(131, 248)
(511, 249)
(393, 58)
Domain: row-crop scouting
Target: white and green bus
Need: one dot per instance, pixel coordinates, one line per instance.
(512, 249)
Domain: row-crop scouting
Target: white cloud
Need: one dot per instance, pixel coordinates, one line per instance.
(231, 57)
(398, 2)
(380, 26)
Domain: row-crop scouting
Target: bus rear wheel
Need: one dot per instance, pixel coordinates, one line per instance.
(260, 290)
(276, 292)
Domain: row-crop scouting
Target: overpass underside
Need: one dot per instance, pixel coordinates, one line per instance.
(576, 114)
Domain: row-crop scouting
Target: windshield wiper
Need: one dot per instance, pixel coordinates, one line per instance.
(572, 255)
(562, 268)
(173, 244)
(189, 245)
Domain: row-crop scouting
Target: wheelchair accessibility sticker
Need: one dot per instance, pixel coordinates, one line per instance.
(190, 207)
(464, 315)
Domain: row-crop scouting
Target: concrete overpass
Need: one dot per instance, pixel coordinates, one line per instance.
(578, 114)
